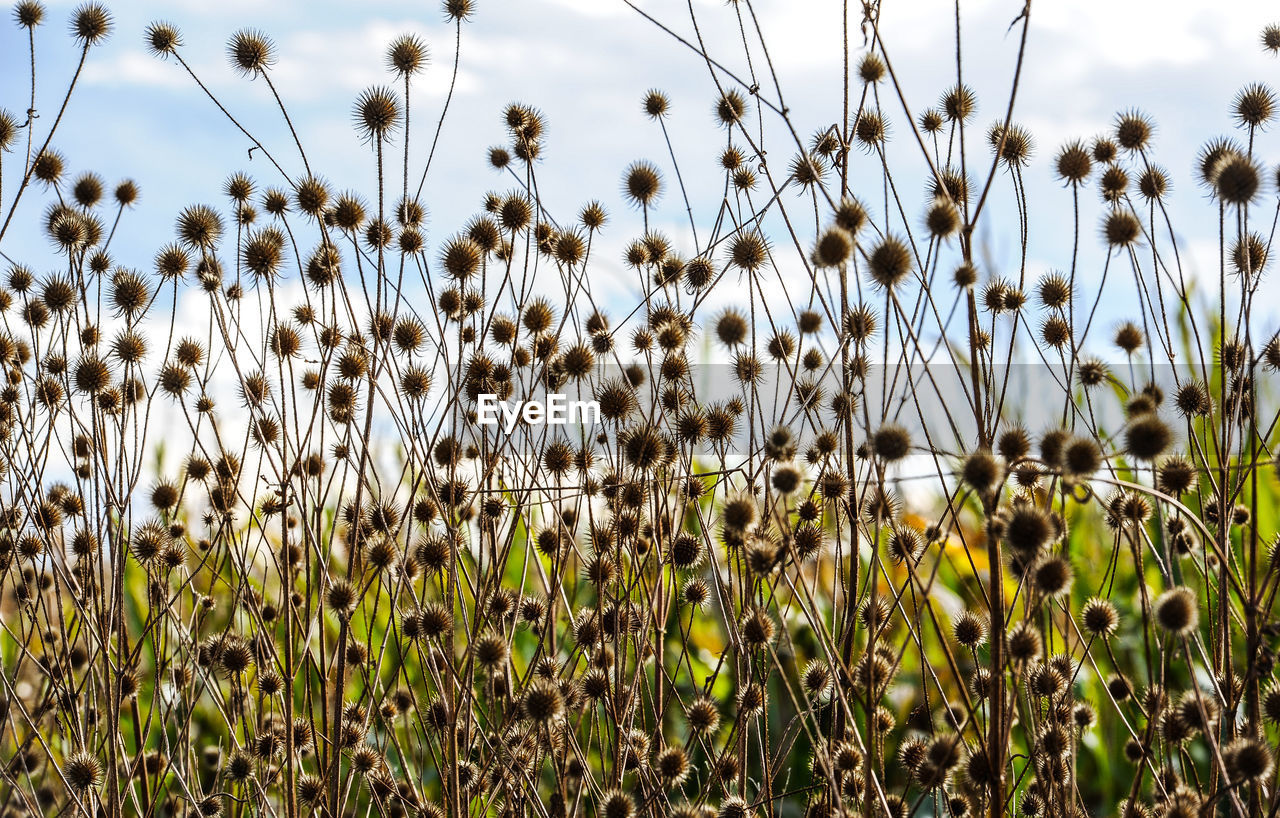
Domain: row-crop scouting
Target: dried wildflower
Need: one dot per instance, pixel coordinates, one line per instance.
(890, 262)
(1133, 130)
(970, 629)
(1147, 437)
(377, 113)
(407, 55)
(1177, 611)
(655, 104)
(251, 52)
(958, 103)
(870, 128)
(1236, 179)
(1248, 759)
(1121, 228)
(458, 11)
(748, 251)
(730, 108)
(82, 771)
(1249, 254)
(90, 24)
(28, 13)
(1153, 184)
(1013, 144)
(1254, 106)
(1073, 163)
(1114, 184)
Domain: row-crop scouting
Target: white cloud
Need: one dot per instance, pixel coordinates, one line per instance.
(312, 65)
(136, 68)
(593, 8)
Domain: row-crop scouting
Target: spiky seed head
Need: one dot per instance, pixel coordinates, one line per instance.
(92, 375)
(730, 108)
(891, 442)
(931, 120)
(970, 629)
(1013, 144)
(1271, 38)
(870, 128)
(1271, 703)
(90, 24)
(1133, 130)
(1055, 332)
(807, 170)
(1121, 227)
(757, 628)
(748, 251)
(499, 157)
(491, 650)
(1192, 399)
(890, 262)
(1177, 610)
(251, 52)
(655, 104)
(1081, 457)
(942, 218)
(850, 215)
(1104, 150)
(1099, 617)
(341, 598)
(1053, 576)
(703, 716)
(311, 196)
(129, 292)
(1129, 337)
(905, 545)
(1028, 528)
(458, 11)
(1074, 164)
(377, 112)
(871, 68)
(275, 202)
(87, 189)
(958, 103)
(516, 212)
(199, 227)
(8, 130)
(1153, 183)
(28, 13)
(461, 257)
(1248, 759)
(642, 183)
(1249, 254)
(1254, 106)
(82, 771)
(1147, 437)
(407, 55)
(543, 701)
(1025, 642)
(949, 183)
(1236, 179)
(617, 804)
(48, 166)
(826, 144)
(1114, 184)
(981, 471)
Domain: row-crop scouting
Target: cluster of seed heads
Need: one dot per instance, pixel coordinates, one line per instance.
(273, 563)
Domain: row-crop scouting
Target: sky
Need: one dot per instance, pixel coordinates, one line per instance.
(587, 64)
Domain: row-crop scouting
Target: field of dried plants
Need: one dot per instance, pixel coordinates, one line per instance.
(831, 547)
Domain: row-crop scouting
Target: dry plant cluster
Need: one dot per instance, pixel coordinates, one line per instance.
(848, 596)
